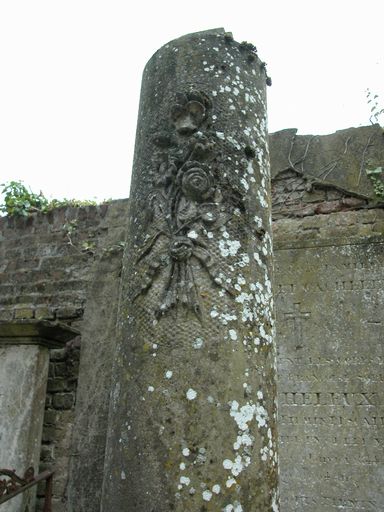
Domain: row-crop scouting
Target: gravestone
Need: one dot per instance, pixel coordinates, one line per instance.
(192, 421)
(329, 296)
(329, 261)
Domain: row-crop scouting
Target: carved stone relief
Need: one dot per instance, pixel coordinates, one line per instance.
(188, 200)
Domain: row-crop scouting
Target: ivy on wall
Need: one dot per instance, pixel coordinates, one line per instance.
(377, 179)
(18, 200)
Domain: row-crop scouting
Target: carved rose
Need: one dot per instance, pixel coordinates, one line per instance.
(197, 184)
(181, 248)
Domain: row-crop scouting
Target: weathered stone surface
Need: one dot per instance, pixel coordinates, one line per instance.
(192, 420)
(40, 332)
(329, 293)
(24, 355)
(97, 353)
(39, 286)
(23, 381)
(295, 194)
(341, 158)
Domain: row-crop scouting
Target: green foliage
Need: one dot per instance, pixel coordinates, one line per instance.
(58, 203)
(21, 201)
(18, 200)
(377, 178)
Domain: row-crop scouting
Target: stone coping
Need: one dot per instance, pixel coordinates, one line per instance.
(36, 332)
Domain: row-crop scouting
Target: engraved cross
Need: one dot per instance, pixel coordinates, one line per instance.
(296, 317)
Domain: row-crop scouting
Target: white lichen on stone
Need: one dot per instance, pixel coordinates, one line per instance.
(236, 507)
(198, 343)
(227, 317)
(257, 259)
(227, 464)
(229, 247)
(191, 394)
(184, 480)
(243, 440)
(233, 142)
(207, 495)
(242, 415)
(250, 169)
(261, 416)
(232, 334)
(245, 184)
(264, 453)
(230, 481)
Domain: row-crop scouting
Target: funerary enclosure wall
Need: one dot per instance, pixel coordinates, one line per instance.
(328, 243)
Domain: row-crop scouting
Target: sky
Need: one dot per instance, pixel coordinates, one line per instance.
(70, 74)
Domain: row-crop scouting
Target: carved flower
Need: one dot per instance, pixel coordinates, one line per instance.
(189, 111)
(209, 213)
(181, 248)
(197, 183)
(167, 172)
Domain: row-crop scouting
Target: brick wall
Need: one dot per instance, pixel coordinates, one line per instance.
(46, 264)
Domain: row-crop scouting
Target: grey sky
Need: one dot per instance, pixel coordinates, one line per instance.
(71, 71)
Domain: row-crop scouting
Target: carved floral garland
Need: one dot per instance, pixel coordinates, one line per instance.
(185, 203)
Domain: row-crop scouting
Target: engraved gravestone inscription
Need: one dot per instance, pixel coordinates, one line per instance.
(331, 372)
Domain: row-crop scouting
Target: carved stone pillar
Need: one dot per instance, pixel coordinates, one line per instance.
(193, 417)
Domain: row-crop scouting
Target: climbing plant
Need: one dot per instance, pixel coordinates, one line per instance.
(19, 200)
(377, 179)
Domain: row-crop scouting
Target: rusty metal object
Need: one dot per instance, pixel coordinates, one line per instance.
(14, 482)
(14, 485)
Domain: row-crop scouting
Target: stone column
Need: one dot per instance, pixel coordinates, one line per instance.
(193, 417)
(24, 356)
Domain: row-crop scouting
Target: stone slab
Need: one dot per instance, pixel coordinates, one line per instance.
(96, 361)
(340, 159)
(23, 381)
(36, 332)
(331, 397)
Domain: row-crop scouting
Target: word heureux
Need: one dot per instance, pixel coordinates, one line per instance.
(329, 398)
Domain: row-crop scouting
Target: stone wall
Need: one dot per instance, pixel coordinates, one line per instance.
(46, 264)
(65, 265)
